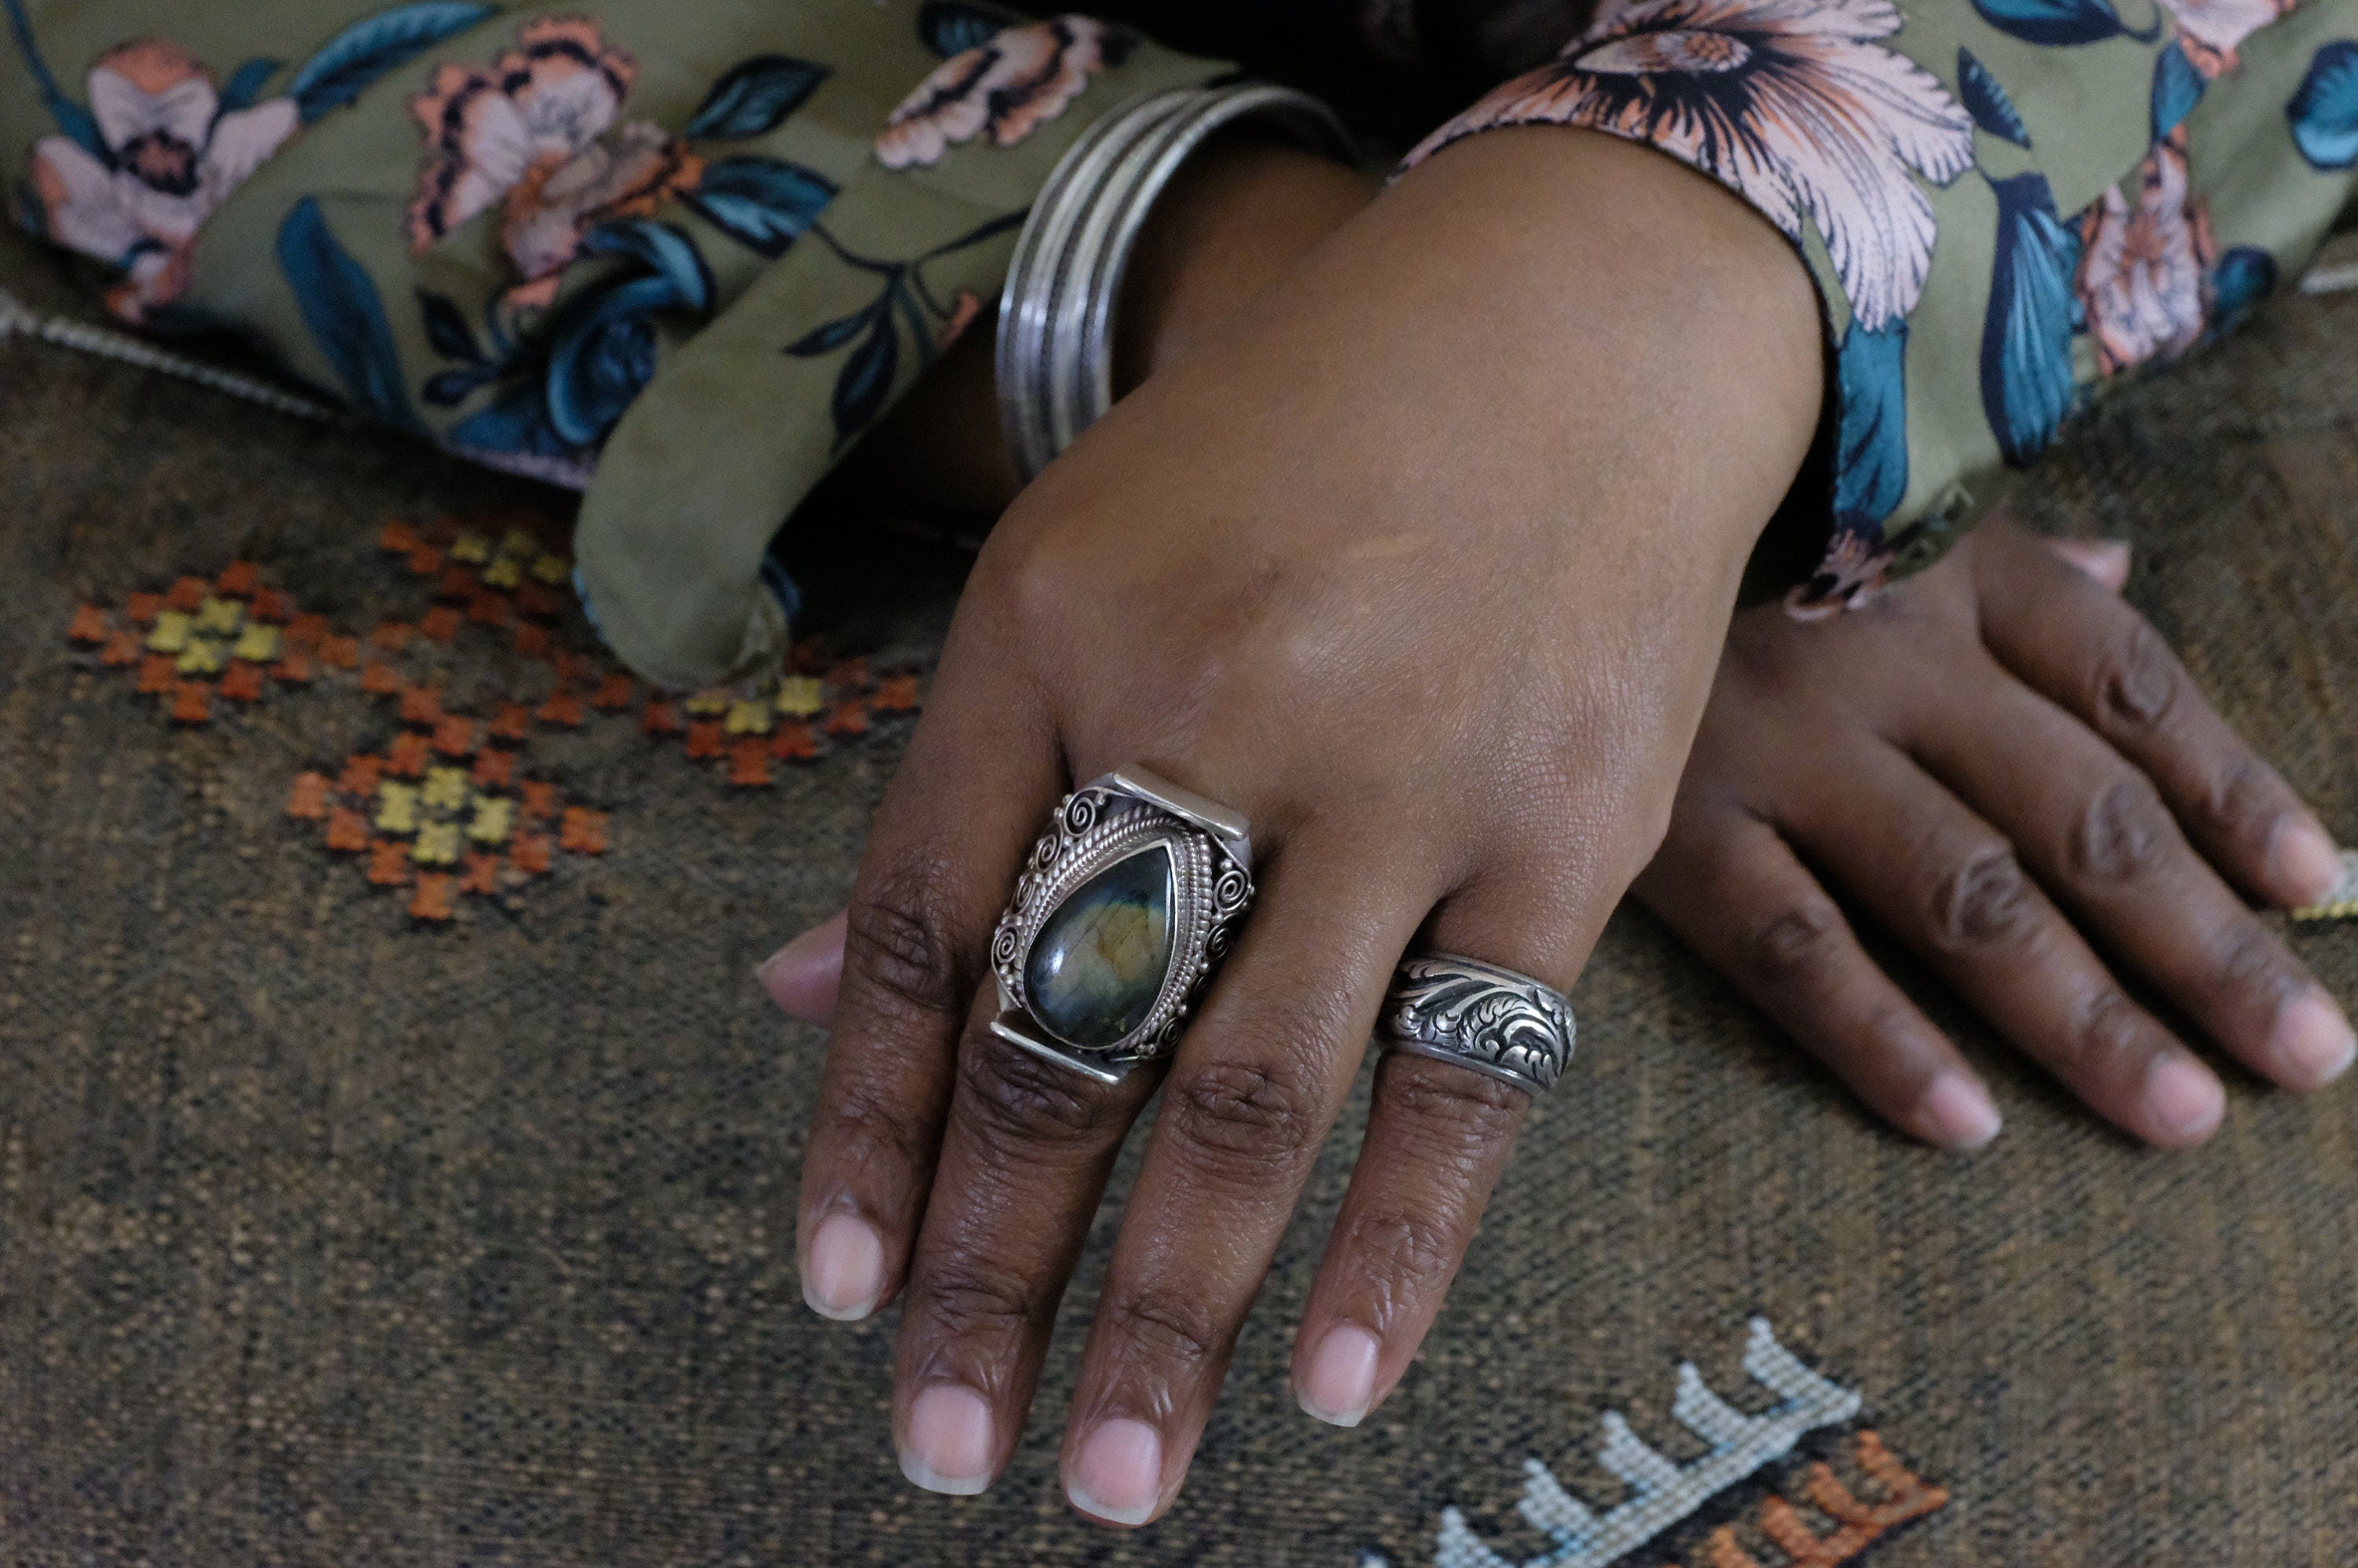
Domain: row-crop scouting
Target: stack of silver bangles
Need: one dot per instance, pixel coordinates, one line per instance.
(1064, 287)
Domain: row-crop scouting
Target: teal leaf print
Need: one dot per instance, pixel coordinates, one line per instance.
(2177, 88)
(2324, 111)
(73, 119)
(348, 63)
(763, 203)
(344, 313)
(1871, 464)
(447, 329)
(244, 84)
(2028, 389)
(2060, 22)
(1992, 109)
(952, 27)
(754, 98)
(867, 377)
(2245, 275)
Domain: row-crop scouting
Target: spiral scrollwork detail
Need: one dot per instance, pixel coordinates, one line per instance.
(1485, 1017)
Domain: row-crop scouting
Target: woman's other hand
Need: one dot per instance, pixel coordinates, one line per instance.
(2001, 762)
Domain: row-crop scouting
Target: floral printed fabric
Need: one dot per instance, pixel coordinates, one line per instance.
(739, 232)
(1858, 127)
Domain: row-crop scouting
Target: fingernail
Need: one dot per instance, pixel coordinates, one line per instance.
(802, 976)
(2185, 1099)
(2304, 861)
(1339, 1384)
(2107, 560)
(949, 1441)
(1117, 1475)
(2313, 1038)
(845, 1270)
(1959, 1112)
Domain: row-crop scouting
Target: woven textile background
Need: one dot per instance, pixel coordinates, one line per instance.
(327, 1237)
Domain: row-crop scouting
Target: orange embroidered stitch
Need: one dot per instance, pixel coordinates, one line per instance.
(538, 601)
(488, 609)
(398, 539)
(157, 673)
(425, 560)
(1857, 1524)
(493, 767)
(582, 831)
(793, 743)
(406, 757)
(749, 765)
(454, 736)
(347, 830)
(562, 708)
(660, 716)
(380, 679)
(295, 669)
(340, 653)
(309, 798)
(391, 635)
(457, 583)
(270, 605)
(141, 608)
(532, 641)
(704, 738)
(243, 682)
(441, 623)
(360, 774)
(481, 875)
(511, 721)
(432, 901)
(236, 581)
(388, 862)
(421, 705)
(613, 693)
(539, 799)
(122, 648)
(186, 594)
(192, 702)
(306, 631)
(896, 694)
(529, 854)
(89, 625)
(848, 675)
(849, 718)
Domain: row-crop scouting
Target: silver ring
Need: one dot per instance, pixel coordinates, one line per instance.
(1125, 909)
(1480, 1016)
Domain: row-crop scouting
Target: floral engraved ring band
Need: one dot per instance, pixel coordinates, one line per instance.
(1480, 1016)
(1127, 905)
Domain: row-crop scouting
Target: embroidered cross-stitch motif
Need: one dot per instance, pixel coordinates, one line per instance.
(450, 804)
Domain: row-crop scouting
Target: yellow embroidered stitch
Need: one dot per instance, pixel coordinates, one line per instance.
(504, 573)
(550, 569)
(491, 820)
(170, 634)
(746, 718)
(437, 844)
(472, 548)
(220, 617)
(257, 645)
(397, 807)
(446, 789)
(203, 656)
(800, 696)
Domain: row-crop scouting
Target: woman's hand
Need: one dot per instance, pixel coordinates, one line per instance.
(1423, 563)
(1992, 759)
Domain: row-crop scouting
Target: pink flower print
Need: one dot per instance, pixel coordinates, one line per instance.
(2209, 31)
(1856, 568)
(175, 159)
(1788, 102)
(2142, 268)
(1003, 91)
(530, 134)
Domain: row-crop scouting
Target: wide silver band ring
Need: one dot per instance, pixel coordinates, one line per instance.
(1479, 1015)
(1122, 914)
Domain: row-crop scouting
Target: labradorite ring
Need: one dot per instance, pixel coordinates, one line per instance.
(1125, 909)
(1479, 1015)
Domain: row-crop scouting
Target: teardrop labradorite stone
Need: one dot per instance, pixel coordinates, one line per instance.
(1097, 966)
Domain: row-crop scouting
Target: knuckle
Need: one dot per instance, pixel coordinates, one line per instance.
(1794, 943)
(2124, 832)
(1412, 1254)
(2136, 683)
(866, 1130)
(901, 949)
(1239, 1120)
(965, 1298)
(2248, 800)
(2109, 1033)
(1984, 901)
(2250, 961)
(1012, 1099)
(1169, 1329)
(1467, 1112)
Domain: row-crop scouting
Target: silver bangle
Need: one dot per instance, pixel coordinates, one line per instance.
(1063, 286)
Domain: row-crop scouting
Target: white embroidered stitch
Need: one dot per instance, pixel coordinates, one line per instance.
(1662, 1492)
(17, 318)
(2341, 902)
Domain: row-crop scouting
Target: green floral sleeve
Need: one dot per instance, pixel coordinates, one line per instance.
(676, 256)
(2007, 204)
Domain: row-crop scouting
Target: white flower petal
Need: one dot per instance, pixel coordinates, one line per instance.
(243, 141)
(183, 110)
(81, 206)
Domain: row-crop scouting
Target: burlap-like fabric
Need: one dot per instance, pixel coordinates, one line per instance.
(329, 1238)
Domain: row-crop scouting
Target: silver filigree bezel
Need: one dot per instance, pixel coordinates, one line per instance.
(1126, 812)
